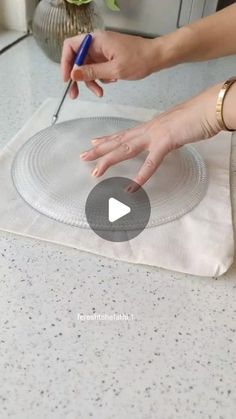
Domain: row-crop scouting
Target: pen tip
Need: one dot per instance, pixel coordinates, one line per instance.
(54, 119)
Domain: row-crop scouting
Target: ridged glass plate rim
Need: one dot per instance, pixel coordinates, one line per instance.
(199, 194)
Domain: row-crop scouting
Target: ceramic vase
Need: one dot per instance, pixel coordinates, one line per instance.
(56, 20)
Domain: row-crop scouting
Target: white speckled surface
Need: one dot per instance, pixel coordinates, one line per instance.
(174, 358)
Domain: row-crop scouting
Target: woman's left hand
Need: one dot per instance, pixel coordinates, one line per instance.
(188, 122)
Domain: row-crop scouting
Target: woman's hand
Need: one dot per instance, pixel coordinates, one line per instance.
(112, 56)
(191, 121)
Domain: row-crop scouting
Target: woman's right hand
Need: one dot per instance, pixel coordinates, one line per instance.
(112, 56)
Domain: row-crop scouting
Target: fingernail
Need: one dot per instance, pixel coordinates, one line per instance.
(77, 75)
(132, 187)
(95, 172)
(128, 189)
(83, 156)
(95, 141)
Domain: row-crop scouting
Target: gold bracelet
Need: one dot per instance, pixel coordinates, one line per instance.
(220, 103)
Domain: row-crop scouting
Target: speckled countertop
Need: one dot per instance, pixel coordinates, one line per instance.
(173, 357)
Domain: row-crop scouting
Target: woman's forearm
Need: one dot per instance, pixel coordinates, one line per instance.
(211, 37)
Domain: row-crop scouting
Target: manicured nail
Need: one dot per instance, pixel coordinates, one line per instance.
(77, 75)
(132, 187)
(83, 156)
(95, 172)
(128, 189)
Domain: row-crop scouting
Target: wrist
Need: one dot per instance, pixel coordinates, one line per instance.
(229, 108)
(204, 106)
(209, 108)
(172, 49)
(210, 101)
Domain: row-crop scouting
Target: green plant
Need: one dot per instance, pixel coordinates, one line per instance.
(112, 4)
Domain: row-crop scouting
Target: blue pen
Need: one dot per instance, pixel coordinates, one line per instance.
(80, 57)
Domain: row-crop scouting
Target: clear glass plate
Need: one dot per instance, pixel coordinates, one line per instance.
(49, 176)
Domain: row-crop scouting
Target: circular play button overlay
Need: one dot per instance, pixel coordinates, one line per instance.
(117, 209)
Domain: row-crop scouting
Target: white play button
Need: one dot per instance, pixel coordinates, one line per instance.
(117, 210)
(115, 214)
